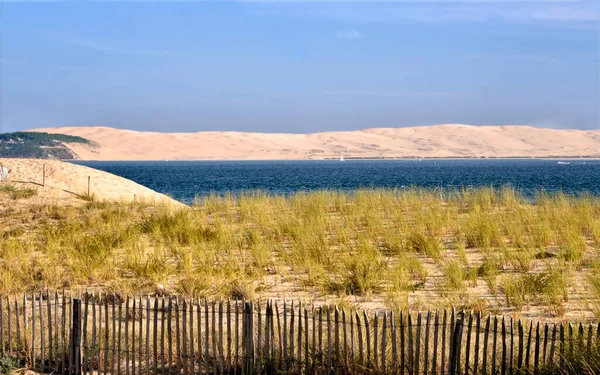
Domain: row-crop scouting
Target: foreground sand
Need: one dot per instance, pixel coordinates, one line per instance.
(67, 183)
(425, 141)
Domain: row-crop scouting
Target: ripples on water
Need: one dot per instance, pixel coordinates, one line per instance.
(184, 180)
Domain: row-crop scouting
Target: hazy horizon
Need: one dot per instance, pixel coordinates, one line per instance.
(295, 66)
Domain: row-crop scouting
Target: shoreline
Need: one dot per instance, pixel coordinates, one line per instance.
(348, 158)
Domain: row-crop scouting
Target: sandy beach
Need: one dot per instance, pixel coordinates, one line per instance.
(67, 182)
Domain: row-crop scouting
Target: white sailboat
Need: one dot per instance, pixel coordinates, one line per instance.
(341, 157)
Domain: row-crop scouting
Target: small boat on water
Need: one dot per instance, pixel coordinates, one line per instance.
(563, 162)
(341, 157)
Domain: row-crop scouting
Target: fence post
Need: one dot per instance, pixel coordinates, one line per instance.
(456, 341)
(75, 349)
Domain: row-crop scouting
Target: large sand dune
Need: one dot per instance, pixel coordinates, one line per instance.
(68, 183)
(424, 141)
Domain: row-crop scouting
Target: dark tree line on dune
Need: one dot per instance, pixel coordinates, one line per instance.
(38, 145)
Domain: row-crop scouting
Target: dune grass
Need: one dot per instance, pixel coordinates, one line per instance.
(414, 248)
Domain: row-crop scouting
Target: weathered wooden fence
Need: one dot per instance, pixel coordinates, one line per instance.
(72, 334)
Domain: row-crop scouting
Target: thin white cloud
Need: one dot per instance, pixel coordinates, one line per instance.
(349, 35)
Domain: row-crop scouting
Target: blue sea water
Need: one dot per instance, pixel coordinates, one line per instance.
(185, 180)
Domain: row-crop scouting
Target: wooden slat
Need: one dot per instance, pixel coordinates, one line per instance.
(411, 352)
(100, 337)
(486, 335)
(394, 343)
(384, 343)
(336, 340)
(120, 320)
(184, 340)
(228, 336)
(51, 352)
(299, 355)
(417, 360)
(494, 345)
(562, 352)
(279, 334)
(199, 336)
(42, 333)
(94, 330)
(520, 354)
(18, 328)
(352, 350)
(329, 363)
(221, 355)
(458, 341)
(213, 322)
(114, 336)
(285, 343)
(376, 341)
(314, 341)
(291, 336)
(33, 326)
(140, 335)
(552, 345)
(154, 336)
(259, 342)
(589, 340)
(10, 345)
(192, 353)
(444, 322)
(402, 346)
(306, 344)
(106, 335)
(536, 358)
(503, 364)
(468, 346)
(571, 341)
(170, 334)
(368, 337)
(86, 344)
(345, 341)
(56, 334)
(426, 348)
(477, 335)
(267, 343)
(528, 350)
(436, 323)
(147, 338)
(512, 344)
(64, 332)
(361, 361)
(126, 335)
(206, 338)
(545, 345)
(177, 337)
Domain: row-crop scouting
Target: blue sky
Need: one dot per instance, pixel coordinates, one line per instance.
(300, 66)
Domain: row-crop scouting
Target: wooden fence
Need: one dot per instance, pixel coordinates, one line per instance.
(107, 333)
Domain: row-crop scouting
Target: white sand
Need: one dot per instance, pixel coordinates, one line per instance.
(425, 141)
(65, 181)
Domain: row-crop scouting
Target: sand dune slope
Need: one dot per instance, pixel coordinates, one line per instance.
(67, 182)
(424, 141)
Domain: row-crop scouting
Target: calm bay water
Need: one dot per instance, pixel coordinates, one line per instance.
(186, 179)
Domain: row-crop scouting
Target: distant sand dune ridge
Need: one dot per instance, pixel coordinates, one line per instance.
(450, 140)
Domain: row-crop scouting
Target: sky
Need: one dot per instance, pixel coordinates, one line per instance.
(299, 65)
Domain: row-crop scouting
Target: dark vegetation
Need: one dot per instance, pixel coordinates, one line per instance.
(38, 145)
